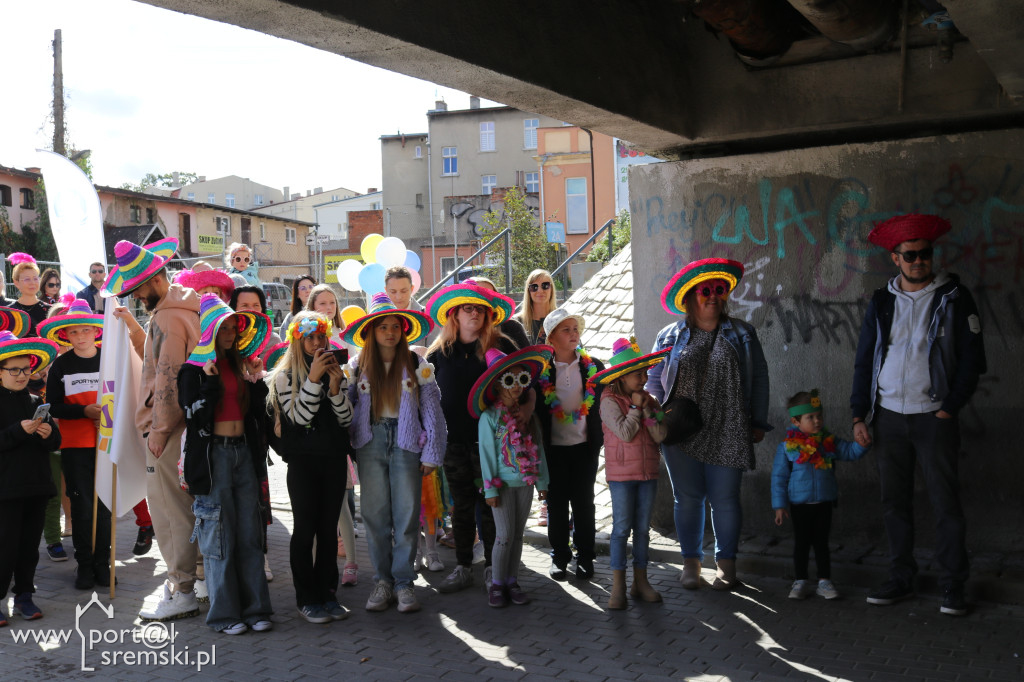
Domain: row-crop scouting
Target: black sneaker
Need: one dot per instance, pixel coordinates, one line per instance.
(101, 574)
(584, 569)
(889, 593)
(953, 603)
(144, 542)
(557, 572)
(84, 579)
(56, 552)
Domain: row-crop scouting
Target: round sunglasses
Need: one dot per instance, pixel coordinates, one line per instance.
(543, 285)
(510, 380)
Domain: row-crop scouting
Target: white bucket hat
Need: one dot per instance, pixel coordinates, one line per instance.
(558, 316)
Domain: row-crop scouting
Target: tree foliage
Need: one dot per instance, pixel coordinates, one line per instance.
(621, 236)
(530, 248)
(161, 180)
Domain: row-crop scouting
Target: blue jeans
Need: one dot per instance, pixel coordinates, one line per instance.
(632, 503)
(391, 484)
(693, 483)
(229, 529)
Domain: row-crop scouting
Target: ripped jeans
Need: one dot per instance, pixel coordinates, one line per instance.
(229, 530)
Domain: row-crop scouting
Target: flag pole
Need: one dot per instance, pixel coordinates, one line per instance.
(113, 526)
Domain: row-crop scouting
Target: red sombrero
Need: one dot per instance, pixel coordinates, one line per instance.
(906, 228)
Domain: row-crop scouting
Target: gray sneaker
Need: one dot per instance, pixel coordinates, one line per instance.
(314, 613)
(407, 600)
(381, 597)
(459, 579)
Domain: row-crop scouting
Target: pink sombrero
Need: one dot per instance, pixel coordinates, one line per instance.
(905, 228)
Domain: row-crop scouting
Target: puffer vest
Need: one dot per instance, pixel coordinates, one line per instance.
(636, 460)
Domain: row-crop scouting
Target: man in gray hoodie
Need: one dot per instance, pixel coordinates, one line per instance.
(919, 357)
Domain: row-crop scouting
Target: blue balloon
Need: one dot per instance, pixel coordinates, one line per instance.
(371, 278)
(412, 261)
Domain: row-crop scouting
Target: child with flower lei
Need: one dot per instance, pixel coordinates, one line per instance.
(512, 464)
(803, 477)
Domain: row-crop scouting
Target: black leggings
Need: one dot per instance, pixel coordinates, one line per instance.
(811, 526)
(316, 486)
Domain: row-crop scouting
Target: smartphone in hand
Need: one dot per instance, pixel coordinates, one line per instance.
(341, 355)
(42, 412)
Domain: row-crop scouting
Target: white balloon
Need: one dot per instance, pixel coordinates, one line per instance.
(348, 274)
(391, 252)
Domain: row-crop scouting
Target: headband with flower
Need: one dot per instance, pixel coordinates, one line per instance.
(309, 325)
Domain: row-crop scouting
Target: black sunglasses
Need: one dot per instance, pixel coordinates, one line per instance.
(911, 256)
(53, 284)
(97, 272)
(543, 285)
(719, 290)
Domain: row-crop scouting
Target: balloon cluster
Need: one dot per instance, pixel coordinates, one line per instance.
(379, 253)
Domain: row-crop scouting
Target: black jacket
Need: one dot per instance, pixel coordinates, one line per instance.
(24, 458)
(595, 436)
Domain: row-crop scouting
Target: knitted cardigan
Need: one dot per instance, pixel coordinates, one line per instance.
(421, 425)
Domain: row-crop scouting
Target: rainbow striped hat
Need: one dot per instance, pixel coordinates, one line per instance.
(415, 324)
(41, 352)
(136, 264)
(253, 330)
(443, 303)
(274, 354)
(627, 357)
(78, 312)
(672, 297)
(485, 390)
(15, 321)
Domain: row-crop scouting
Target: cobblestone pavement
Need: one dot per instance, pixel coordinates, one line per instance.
(753, 633)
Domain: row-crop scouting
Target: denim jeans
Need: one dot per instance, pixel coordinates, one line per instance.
(632, 503)
(693, 483)
(230, 534)
(391, 482)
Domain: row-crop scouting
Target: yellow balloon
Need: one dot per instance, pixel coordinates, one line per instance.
(351, 313)
(368, 249)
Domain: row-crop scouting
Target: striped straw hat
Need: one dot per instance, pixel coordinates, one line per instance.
(136, 264)
(41, 352)
(253, 330)
(79, 312)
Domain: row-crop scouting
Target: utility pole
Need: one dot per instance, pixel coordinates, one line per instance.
(58, 96)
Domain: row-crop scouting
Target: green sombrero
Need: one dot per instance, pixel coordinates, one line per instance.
(628, 358)
(672, 297)
(15, 321)
(415, 325)
(485, 390)
(253, 330)
(443, 303)
(41, 352)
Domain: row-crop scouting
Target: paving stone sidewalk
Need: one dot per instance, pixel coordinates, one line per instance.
(755, 633)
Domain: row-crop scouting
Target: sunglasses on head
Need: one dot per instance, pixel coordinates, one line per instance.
(718, 290)
(510, 380)
(911, 256)
(473, 308)
(543, 285)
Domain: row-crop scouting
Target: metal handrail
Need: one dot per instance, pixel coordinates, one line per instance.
(561, 268)
(454, 274)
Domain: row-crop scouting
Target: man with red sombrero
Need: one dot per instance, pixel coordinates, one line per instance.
(172, 335)
(918, 361)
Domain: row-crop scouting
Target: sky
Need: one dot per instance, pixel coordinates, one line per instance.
(154, 91)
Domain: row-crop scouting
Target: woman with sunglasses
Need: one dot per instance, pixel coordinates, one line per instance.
(301, 288)
(49, 286)
(239, 261)
(717, 361)
(538, 301)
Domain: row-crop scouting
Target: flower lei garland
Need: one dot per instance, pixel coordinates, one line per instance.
(810, 447)
(515, 446)
(551, 397)
(309, 325)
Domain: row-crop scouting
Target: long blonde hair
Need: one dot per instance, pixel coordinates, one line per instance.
(489, 336)
(386, 384)
(339, 324)
(292, 364)
(526, 311)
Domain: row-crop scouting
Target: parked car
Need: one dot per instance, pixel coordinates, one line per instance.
(279, 301)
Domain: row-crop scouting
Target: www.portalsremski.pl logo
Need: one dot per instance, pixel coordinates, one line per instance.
(157, 642)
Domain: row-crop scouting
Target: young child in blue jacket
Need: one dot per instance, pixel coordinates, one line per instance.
(804, 476)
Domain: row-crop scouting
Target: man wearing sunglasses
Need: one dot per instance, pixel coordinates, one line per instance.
(97, 275)
(918, 361)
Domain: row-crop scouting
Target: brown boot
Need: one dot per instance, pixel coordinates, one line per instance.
(691, 574)
(617, 597)
(641, 589)
(726, 578)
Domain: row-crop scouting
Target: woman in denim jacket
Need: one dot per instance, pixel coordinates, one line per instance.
(717, 361)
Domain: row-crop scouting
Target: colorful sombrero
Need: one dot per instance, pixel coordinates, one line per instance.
(203, 275)
(253, 330)
(78, 312)
(41, 352)
(485, 390)
(416, 325)
(15, 321)
(444, 302)
(627, 357)
(905, 228)
(136, 264)
(274, 355)
(672, 297)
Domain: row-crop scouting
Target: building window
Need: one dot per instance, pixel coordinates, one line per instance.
(134, 213)
(419, 200)
(530, 126)
(449, 161)
(229, 200)
(533, 182)
(576, 221)
(263, 232)
(191, 196)
(487, 136)
(488, 183)
(5, 195)
(419, 152)
(448, 264)
(334, 197)
(150, 216)
(211, 198)
(289, 235)
(28, 200)
(258, 200)
(223, 226)
(343, 231)
(375, 206)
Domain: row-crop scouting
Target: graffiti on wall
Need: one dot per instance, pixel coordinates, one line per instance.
(469, 213)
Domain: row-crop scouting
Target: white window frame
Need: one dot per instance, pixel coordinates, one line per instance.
(487, 184)
(211, 197)
(574, 224)
(488, 141)
(191, 196)
(449, 161)
(530, 126)
(419, 152)
(535, 181)
(229, 200)
(257, 200)
(290, 235)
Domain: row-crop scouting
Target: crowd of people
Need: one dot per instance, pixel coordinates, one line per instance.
(460, 411)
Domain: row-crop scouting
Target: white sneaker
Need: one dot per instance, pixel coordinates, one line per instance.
(826, 589)
(202, 594)
(478, 552)
(236, 629)
(266, 568)
(172, 606)
(433, 562)
(381, 597)
(407, 600)
(801, 589)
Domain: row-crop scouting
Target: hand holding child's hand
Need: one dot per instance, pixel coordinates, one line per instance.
(494, 502)
(44, 430)
(861, 434)
(780, 515)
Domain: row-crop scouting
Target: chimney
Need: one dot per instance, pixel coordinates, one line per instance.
(371, 190)
(286, 195)
(474, 102)
(308, 192)
(202, 178)
(175, 179)
(318, 190)
(440, 105)
(295, 196)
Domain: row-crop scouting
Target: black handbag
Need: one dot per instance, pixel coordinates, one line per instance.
(682, 418)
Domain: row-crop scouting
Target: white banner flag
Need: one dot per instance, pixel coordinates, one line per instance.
(76, 219)
(119, 441)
